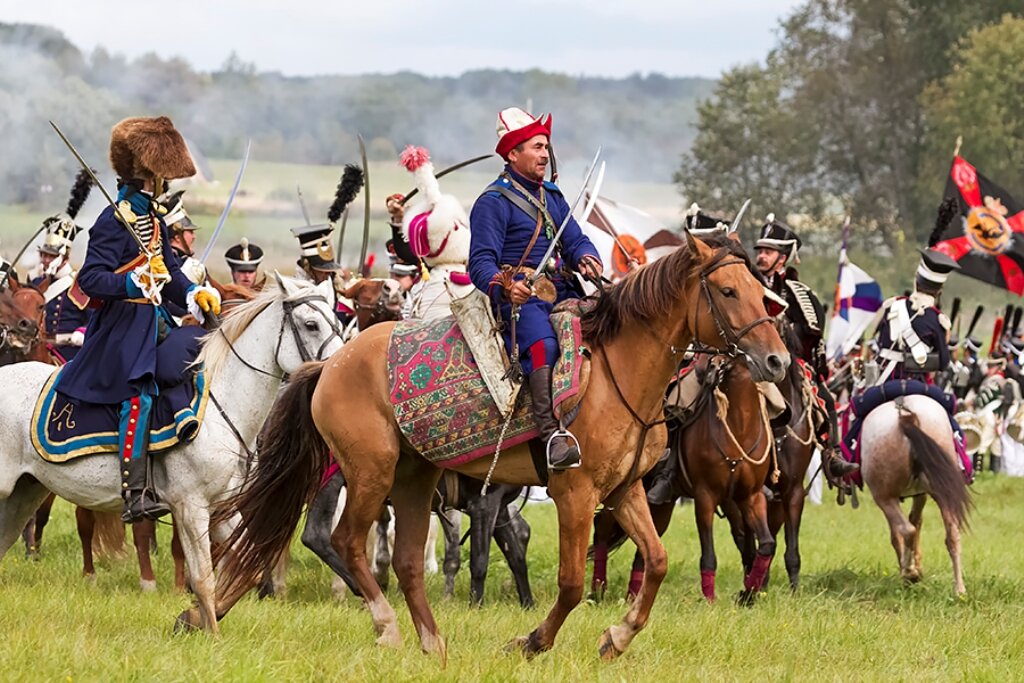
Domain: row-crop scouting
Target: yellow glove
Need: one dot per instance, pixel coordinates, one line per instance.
(157, 265)
(208, 301)
(150, 278)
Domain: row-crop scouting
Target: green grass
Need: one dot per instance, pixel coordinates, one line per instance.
(851, 620)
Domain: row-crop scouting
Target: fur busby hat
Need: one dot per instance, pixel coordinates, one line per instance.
(778, 236)
(516, 126)
(436, 227)
(244, 256)
(142, 146)
(62, 229)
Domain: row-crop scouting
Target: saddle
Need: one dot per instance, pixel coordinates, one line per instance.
(688, 395)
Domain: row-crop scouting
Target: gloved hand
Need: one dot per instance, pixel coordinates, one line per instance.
(396, 210)
(200, 300)
(150, 278)
(78, 337)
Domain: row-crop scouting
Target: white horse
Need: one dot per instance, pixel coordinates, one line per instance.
(246, 360)
(907, 452)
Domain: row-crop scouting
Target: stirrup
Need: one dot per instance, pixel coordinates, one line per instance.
(566, 434)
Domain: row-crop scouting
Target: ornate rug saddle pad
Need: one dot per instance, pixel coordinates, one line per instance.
(441, 402)
(63, 430)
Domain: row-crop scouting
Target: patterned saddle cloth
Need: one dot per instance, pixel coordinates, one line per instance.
(63, 429)
(442, 404)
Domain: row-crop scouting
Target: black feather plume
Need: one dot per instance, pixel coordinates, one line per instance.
(1016, 322)
(974, 320)
(79, 193)
(955, 310)
(947, 210)
(348, 188)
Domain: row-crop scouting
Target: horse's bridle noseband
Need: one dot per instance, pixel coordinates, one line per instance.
(730, 337)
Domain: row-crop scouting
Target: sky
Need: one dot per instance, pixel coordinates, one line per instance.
(433, 37)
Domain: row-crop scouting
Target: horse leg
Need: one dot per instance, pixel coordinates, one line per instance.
(901, 533)
(28, 535)
(411, 495)
(704, 513)
(85, 522)
(42, 517)
(382, 552)
(179, 559)
(193, 520)
(320, 522)
(512, 534)
(917, 519)
(756, 514)
(451, 525)
(483, 515)
(793, 512)
(430, 549)
(740, 534)
(143, 534)
(634, 516)
(604, 527)
(953, 546)
(17, 508)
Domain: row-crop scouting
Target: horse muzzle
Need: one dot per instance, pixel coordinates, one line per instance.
(769, 368)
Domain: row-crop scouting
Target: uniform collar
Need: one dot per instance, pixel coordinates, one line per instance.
(531, 185)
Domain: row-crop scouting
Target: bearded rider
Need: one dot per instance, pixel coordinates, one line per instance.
(131, 342)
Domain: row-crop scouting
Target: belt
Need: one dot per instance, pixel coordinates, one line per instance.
(892, 354)
(65, 339)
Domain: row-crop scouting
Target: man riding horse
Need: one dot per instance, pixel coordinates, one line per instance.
(777, 245)
(244, 261)
(129, 270)
(65, 323)
(913, 345)
(513, 223)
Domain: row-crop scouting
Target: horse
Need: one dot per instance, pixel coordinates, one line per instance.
(246, 359)
(21, 324)
(637, 329)
(907, 452)
(727, 450)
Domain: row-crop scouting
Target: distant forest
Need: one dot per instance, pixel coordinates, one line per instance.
(644, 122)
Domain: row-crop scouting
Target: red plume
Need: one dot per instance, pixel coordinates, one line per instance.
(414, 157)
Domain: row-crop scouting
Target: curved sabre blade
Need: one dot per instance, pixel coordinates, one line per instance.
(227, 206)
(366, 205)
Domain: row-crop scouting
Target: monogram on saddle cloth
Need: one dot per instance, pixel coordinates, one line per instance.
(442, 404)
(63, 429)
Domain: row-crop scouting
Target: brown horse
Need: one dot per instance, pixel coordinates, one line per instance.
(21, 325)
(907, 452)
(638, 328)
(725, 443)
(375, 300)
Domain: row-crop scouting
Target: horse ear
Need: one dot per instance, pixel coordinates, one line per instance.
(735, 237)
(691, 241)
(285, 284)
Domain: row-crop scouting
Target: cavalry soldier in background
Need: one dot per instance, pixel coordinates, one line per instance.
(316, 264)
(244, 261)
(129, 342)
(64, 322)
(513, 223)
(183, 236)
(777, 245)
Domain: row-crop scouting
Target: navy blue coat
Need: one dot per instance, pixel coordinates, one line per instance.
(927, 327)
(500, 233)
(118, 359)
(62, 316)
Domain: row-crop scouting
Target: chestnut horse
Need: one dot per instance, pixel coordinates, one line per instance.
(725, 443)
(703, 291)
(907, 452)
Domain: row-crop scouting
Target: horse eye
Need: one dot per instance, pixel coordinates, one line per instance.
(312, 325)
(729, 292)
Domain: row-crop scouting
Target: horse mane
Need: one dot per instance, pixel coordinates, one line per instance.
(217, 344)
(648, 291)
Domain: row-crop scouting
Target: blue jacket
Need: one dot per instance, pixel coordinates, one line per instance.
(928, 328)
(62, 316)
(118, 359)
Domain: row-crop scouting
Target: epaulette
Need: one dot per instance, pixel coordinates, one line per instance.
(805, 297)
(944, 320)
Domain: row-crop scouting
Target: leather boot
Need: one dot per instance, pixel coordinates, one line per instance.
(140, 501)
(562, 452)
(664, 489)
(835, 467)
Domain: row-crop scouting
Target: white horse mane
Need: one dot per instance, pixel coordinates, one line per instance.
(217, 344)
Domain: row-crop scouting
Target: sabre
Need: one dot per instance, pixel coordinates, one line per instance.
(227, 206)
(341, 232)
(302, 205)
(592, 200)
(739, 216)
(554, 241)
(366, 205)
(14, 263)
(454, 167)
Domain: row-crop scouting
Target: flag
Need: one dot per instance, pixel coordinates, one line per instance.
(641, 234)
(858, 298)
(981, 227)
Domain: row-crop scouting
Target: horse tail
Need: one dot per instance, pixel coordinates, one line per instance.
(944, 478)
(108, 535)
(290, 461)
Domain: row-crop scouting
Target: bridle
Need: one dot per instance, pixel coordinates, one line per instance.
(378, 311)
(289, 307)
(731, 337)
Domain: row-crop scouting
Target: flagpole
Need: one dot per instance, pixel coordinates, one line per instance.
(959, 141)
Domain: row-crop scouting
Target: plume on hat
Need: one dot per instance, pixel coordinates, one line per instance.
(947, 210)
(417, 161)
(79, 193)
(348, 187)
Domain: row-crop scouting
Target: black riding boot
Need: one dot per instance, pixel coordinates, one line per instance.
(562, 452)
(835, 467)
(140, 501)
(664, 489)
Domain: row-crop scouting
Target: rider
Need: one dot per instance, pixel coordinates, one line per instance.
(244, 261)
(513, 223)
(65, 323)
(316, 263)
(183, 236)
(127, 340)
(774, 249)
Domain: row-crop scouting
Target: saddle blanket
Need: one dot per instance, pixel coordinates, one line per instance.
(63, 429)
(442, 404)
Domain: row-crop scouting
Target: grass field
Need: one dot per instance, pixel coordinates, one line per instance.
(851, 620)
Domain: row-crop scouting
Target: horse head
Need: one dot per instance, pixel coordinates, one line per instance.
(309, 314)
(375, 300)
(730, 316)
(21, 317)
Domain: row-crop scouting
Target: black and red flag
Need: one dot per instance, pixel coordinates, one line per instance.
(981, 227)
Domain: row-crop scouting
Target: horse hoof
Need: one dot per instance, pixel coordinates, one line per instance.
(746, 598)
(390, 637)
(529, 646)
(89, 579)
(147, 585)
(606, 647)
(187, 621)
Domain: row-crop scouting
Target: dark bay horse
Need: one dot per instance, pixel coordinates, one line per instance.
(727, 451)
(637, 330)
